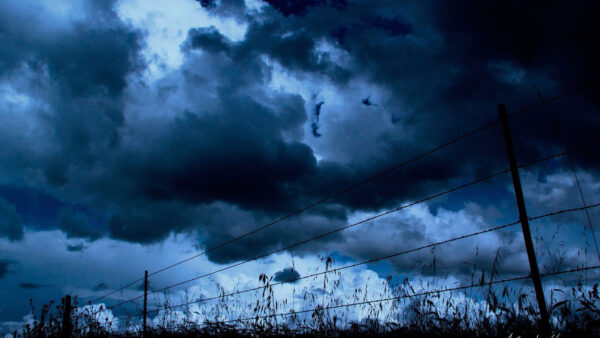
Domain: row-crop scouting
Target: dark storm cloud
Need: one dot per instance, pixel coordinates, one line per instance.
(81, 71)
(68, 56)
(10, 222)
(151, 222)
(199, 157)
(210, 148)
(532, 39)
(250, 163)
(452, 84)
(84, 67)
(292, 47)
(242, 150)
(550, 53)
(288, 275)
(471, 49)
(221, 223)
(449, 81)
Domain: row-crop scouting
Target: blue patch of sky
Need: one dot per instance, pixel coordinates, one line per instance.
(39, 210)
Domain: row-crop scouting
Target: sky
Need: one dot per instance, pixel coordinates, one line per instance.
(137, 134)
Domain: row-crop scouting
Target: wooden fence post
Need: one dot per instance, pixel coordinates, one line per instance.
(66, 324)
(145, 301)
(524, 219)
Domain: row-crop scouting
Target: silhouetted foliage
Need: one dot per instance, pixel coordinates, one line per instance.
(500, 312)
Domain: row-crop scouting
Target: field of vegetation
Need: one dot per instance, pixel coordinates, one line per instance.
(483, 310)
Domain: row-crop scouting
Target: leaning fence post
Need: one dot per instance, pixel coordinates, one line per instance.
(145, 314)
(524, 219)
(66, 324)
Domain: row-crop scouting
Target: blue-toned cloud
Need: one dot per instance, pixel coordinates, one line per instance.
(139, 158)
(129, 123)
(288, 275)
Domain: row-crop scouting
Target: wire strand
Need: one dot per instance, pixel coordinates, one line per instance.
(562, 141)
(372, 260)
(369, 302)
(546, 158)
(314, 204)
(334, 195)
(539, 105)
(376, 259)
(357, 223)
(322, 235)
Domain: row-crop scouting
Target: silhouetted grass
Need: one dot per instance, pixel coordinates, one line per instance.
(483, 310)
(500, 313)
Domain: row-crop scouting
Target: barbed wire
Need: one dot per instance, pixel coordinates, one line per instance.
(332, 196)
(420, 294)
(312, 205)
(376, 259)
(322, 235)
(562, 141)
(551, 99)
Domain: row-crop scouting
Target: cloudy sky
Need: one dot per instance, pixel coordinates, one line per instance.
(138, 133)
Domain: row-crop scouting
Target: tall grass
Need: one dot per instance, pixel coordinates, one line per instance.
(482, 310)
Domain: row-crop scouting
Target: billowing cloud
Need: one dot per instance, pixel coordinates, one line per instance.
(128, 125)
(138, 160)
(288, 275)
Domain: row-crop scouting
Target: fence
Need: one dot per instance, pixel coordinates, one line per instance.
(523, 220)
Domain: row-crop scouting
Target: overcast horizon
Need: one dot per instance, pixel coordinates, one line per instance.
(137, 134)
